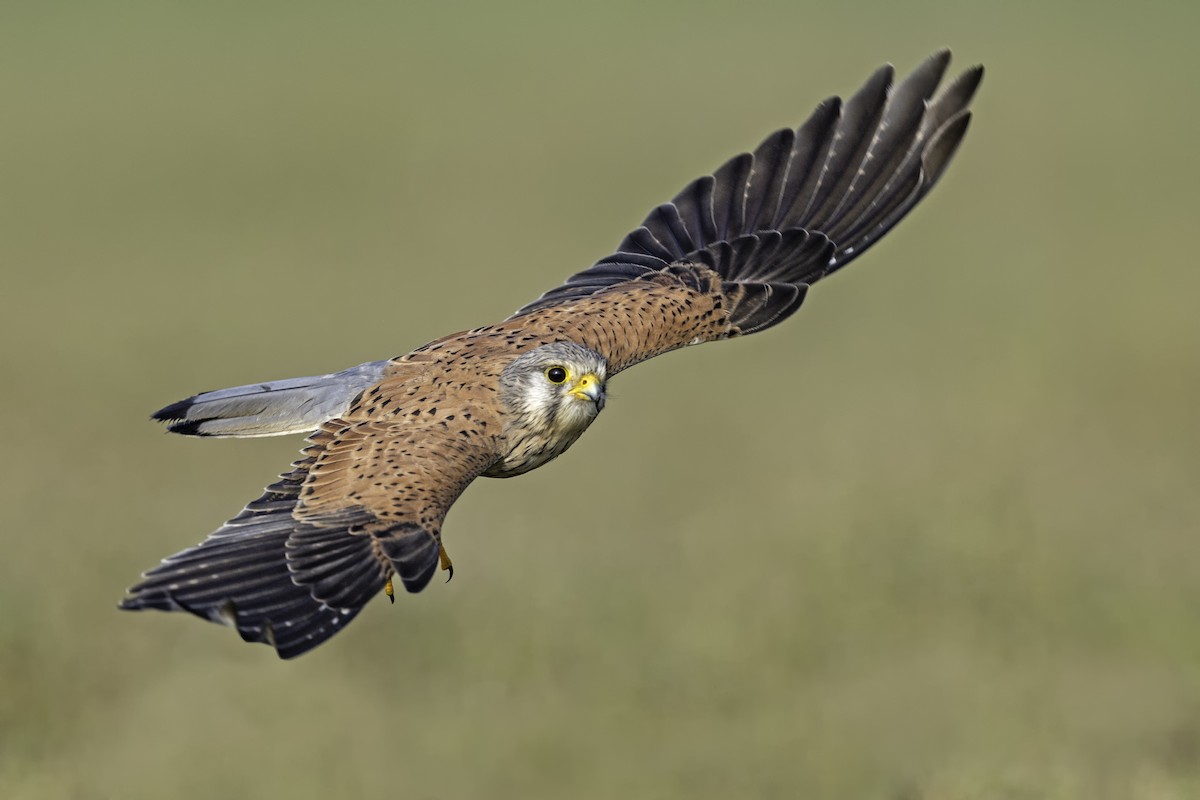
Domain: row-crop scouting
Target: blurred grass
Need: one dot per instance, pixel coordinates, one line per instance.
(934, 538)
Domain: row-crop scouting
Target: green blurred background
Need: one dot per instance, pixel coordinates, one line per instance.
(944, 547)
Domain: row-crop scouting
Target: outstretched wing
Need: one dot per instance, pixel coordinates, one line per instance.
(746, 242)
(298, 564)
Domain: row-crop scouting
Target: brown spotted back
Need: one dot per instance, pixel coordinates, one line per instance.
(626, 323)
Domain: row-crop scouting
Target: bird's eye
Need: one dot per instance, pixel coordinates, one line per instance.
(556, 374)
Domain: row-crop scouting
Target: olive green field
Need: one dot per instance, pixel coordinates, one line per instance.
(936, 537)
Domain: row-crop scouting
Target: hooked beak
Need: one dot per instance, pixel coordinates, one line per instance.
(589, 387)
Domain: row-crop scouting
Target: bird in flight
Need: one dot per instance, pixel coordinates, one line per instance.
(392, 444)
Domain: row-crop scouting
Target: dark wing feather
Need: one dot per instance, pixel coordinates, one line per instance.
(805, 203)
(240, 576)
(299, 563)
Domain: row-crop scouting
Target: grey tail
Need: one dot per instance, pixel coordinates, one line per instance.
(806, 202)
(275, 408)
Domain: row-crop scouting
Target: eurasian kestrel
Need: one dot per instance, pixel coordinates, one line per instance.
(393, 443)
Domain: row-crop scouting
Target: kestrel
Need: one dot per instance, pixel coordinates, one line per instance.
(392, 444)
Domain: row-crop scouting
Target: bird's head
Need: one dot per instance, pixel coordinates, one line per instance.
(556, 388)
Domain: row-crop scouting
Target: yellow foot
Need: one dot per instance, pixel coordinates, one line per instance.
(444, 560)
(389, 591)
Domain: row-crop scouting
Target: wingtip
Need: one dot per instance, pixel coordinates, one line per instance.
(967, 84)
(942, 54)
(883, 76)
(141, 602)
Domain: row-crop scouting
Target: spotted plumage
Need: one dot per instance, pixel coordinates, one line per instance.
(392, 444)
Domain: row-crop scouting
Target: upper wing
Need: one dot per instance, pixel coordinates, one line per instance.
(300, 562)
(807, 202)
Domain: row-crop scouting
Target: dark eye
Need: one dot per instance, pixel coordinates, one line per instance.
(556, 374)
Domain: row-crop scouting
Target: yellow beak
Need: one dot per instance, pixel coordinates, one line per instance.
(589, 387)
